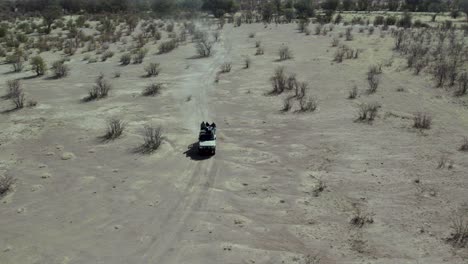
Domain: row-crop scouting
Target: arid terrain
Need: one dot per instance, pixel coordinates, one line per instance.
(287, 185)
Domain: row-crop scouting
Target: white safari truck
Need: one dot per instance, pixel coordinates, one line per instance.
(207, 139)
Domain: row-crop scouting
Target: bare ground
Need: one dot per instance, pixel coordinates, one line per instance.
(78, 200)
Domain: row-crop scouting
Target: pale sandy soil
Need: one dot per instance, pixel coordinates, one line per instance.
(253, 202)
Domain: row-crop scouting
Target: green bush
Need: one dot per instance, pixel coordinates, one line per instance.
(38, 65)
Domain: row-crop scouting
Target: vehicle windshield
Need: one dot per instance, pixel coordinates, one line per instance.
(206, 137)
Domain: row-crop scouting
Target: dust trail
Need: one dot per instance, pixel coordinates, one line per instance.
(197, 84)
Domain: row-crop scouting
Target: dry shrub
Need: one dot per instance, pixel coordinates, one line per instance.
(335, 42)
(167, 46)
(260, 51)
(60, 69)
(308, 104)
(247, 62)
(258, 43)
(359, 219)
(287, 104)
(203, 45)
(107, 54)
(278, 81)
(373, 81)
(368, 112)
(152, 140)
(422, 121)
(100, 90)
(152, 69)
(6, 183)
(14, 88)
(284, 53)
(125, 59)
(349, 35)
(464, 146)
(152, 89)
(226, 67)
(462, 84)
(459, 236)
(18, 99)
(139, 56)
(353, 93)
(115, 128)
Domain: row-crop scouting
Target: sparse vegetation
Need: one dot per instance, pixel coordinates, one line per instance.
(204, 46)
(14, 88)
(464, 146)
(38, 65)
(368, 112)
(422, 121)
(167, 46)
(284, 53)
(353, 93)
(6, 183)
(125, 59)
(459, 236)
(100, 90)
(152, 140)
(152, 89)
(139, 56)
(115, 128)
(226, 67)
(152, 69)
(60, 69)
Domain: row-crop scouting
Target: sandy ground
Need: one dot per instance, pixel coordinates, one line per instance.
(78, 200)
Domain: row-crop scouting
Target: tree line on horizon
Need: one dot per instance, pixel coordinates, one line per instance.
(267, 8)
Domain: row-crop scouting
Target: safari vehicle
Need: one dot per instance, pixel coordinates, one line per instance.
(207, 139)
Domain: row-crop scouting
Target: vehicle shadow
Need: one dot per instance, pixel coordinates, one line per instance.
(192, 153)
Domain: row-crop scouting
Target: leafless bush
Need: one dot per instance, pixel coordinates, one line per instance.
(6, 183)
(204, 46)
(152, 69)
(139, 56)
(368, 112)
(18, 99)
(60, 69)
(371, 30)
(373, 81)
(318, 29)
(339, 55)
(284, 53)
(216, 35)
(258, 43)
(441, 69)
(335, 42)
(125, 59)
(291, 82)
(459, 236)
(260, 51)
(359, 219)
(278, 81)
(226, 67)
(247, 62)
(349, 34)
(422, 121)
(115, 128)
(308, 104)
(14, 88)
(31, 103)
(353, 93)
(251, 35)
(152, 140)
(301, 89)
(107, 54)
(152, 89)
(462, 84)
(100, 89)
(464, 146)
(167, 46)
(287, 104)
